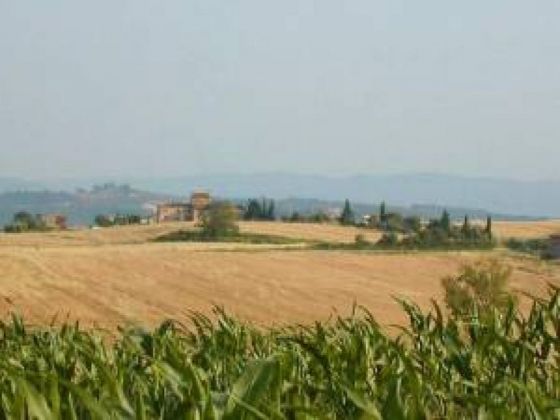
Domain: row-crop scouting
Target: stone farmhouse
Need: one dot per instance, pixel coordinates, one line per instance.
(183, 211)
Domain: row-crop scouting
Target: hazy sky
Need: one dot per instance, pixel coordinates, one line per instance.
(164, 88)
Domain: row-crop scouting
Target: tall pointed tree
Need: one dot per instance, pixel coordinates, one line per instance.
(488, 229)
(271, 211)
(445, 221)
(382, 212)
(347, 216)
(466, 225)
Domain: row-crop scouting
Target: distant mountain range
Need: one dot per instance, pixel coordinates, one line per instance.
(525, 198)
(422, 194)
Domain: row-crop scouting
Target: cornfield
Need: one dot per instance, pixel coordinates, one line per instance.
(506, 366)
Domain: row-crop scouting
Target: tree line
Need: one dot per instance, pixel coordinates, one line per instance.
(26, 222)
(262, 209)
(104, 220)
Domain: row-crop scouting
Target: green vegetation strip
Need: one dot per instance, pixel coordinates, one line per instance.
(247, 238)
(502, 365)
(361, 245)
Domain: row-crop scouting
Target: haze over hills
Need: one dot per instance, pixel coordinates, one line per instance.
(424, 194)
(504, 196)
(81, 206)
(528, 198)
(8, 184)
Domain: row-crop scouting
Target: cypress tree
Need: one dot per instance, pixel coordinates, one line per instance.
(254, 210)
(488, 229)
(466, 225)
(264, 210)
(445, 221)
(271, 213)
(347, 216)
(382, 212)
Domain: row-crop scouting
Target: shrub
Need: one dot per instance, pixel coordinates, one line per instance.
(220, 220)
(412, 224)
(483, 286)
(360, 242)
(389, 240)
(259, 210)
(25, 222)
(529, 246)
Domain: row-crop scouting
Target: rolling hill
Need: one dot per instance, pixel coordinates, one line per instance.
(80, 206)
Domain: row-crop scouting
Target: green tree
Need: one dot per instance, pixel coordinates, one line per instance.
(466, 228)
(389, 240)
(382, 212)
(24, 221)
(271, 215)
(296, 217)
(259, 210)
(318, 217)
(220, 220)
(102, 220)
(483, 285)
(394, 222)
(264, 210)
(347, 216)
(412, 224)
(488, 228)
(445, 221)
(253, 210)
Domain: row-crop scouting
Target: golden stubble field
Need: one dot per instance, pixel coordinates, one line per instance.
(112, 276)
(142, 234)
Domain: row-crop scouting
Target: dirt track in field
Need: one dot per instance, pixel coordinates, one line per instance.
(112, 276)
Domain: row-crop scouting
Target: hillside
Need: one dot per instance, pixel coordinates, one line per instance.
(82, 205)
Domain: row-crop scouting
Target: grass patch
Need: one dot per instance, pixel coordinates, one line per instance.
(242, 238)
(370, 246)
(534, 247)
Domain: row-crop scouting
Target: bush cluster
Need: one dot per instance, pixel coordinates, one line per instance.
(25, 222)
(103, 220)
(441, 234)
(256, 209)
(537, 247)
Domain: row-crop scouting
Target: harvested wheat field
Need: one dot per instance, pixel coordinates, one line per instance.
(142, 234)
(108, 276)
(527, 230)
(311, 231)
(303, 231)
(93, 237)
(112, 283)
